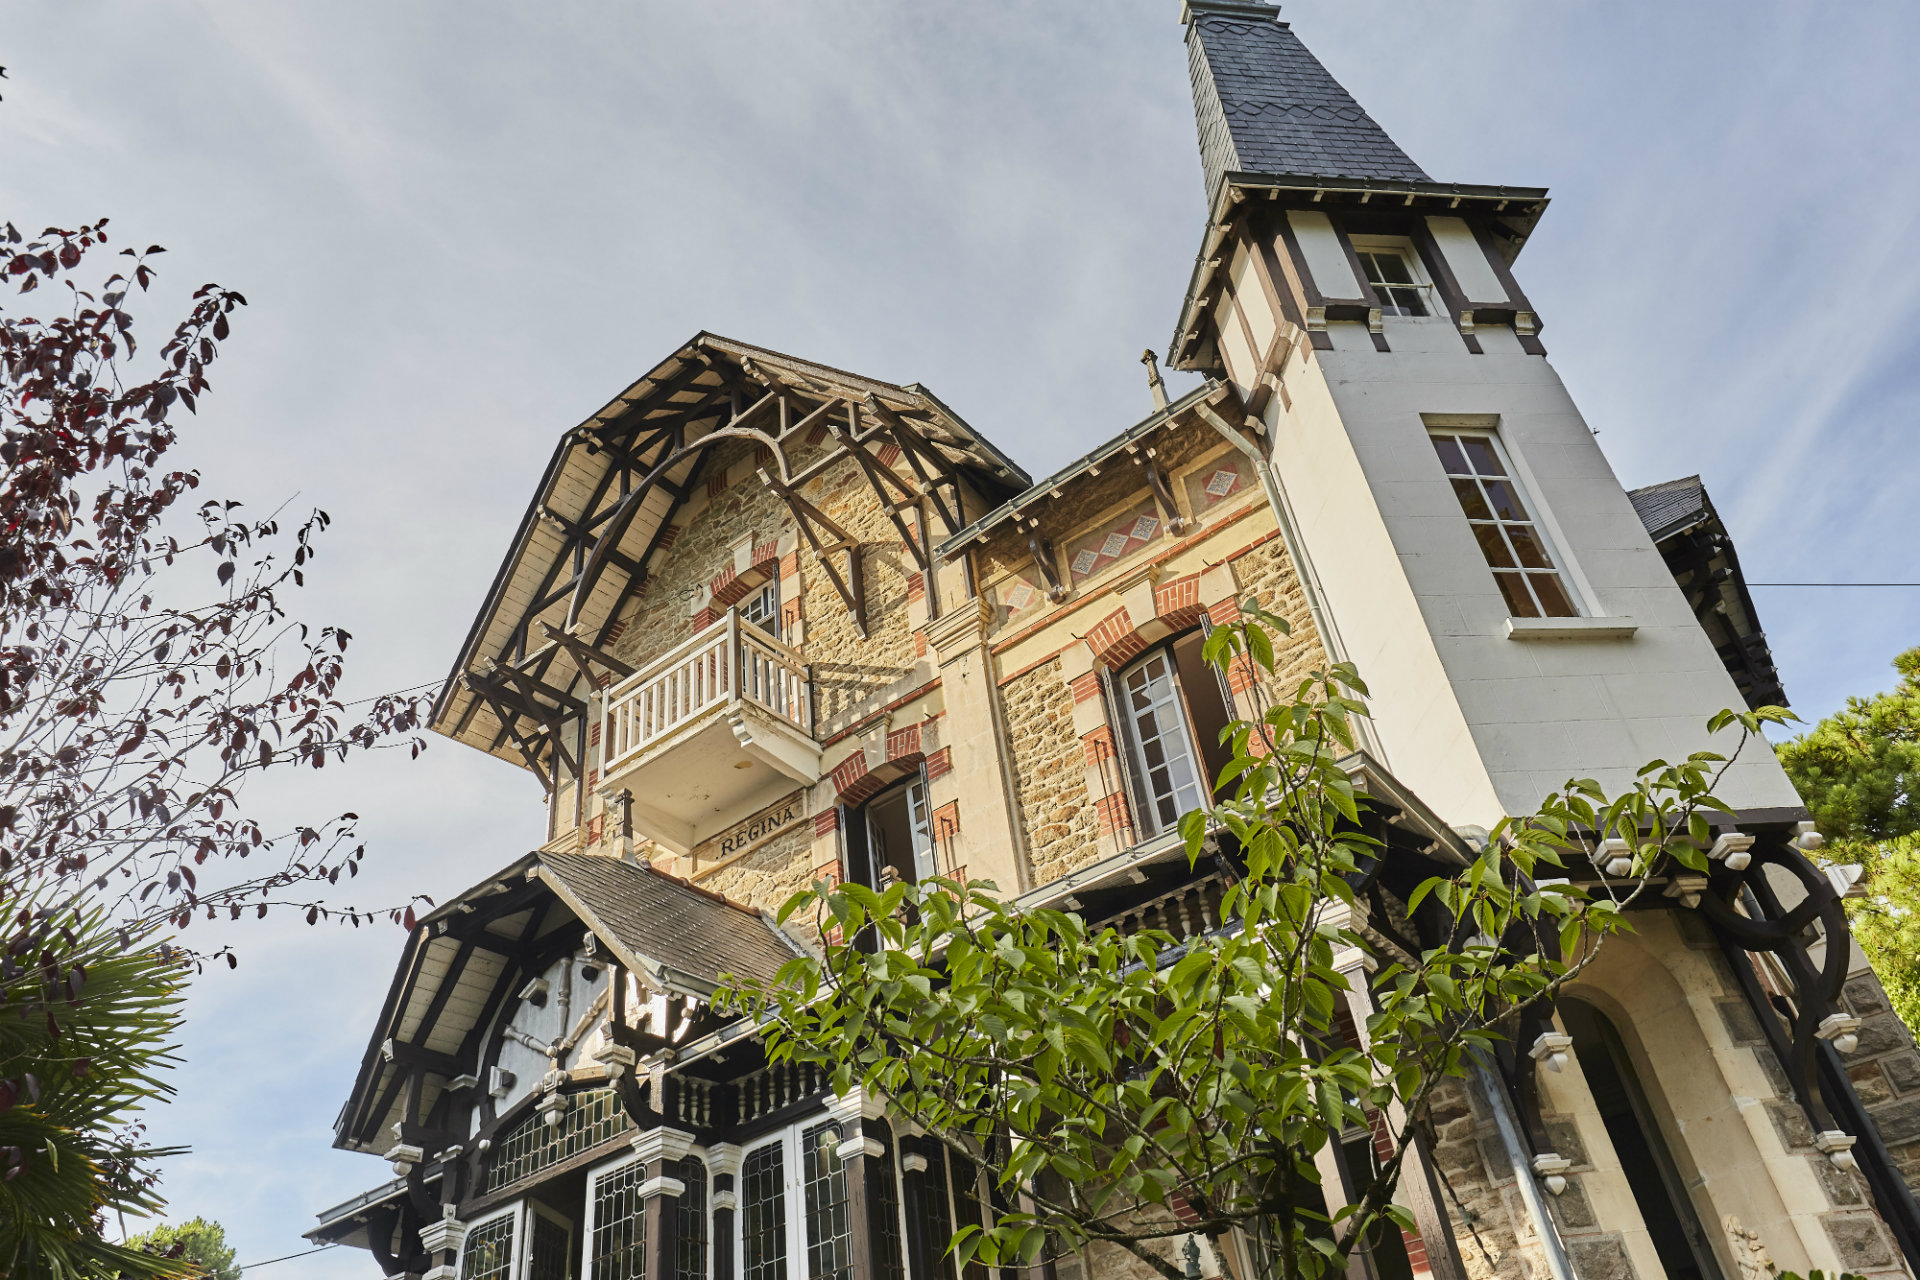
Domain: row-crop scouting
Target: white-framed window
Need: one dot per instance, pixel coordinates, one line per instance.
(1530, 576)
(490, 1248)
(829, 1228)
(1171, 709)
(795, 1212)
(763, 1211)
(762, 609)
(895, 832)
(1393, 268)
(616, 1234)
(615, 1238)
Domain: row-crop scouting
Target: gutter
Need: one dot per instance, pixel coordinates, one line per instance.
(1543, 1228)
(1302, 563)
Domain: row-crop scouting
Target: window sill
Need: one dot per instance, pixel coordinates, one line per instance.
(1571, 628)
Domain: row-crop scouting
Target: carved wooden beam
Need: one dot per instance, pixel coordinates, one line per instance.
(1041, 548)
(812, 520)
(586, 656)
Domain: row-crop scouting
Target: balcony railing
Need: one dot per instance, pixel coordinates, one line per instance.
(730, 661)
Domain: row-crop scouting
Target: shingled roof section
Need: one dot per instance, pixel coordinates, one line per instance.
(666, 920)
(1670, 505)
(1265, 105)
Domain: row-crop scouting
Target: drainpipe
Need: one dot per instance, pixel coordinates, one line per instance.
(1543, 1228)
(1302, 563)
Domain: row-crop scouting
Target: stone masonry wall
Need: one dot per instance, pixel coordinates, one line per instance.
(850, 671)
(771, 874)
(732, 504)
(1885, 1068)
(1266, 574)
(1049, 771)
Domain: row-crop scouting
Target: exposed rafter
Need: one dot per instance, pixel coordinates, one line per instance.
(603, 515)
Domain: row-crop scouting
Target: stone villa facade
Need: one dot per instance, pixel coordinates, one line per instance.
(767, 622)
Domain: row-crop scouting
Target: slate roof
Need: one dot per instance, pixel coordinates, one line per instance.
(665, 920)
(1265, 105)
(1669, 505)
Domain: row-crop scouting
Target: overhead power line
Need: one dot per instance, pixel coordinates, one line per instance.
(332, 1244)
(1834, 584)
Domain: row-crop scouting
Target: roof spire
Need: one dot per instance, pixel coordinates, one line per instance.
(1265, 105)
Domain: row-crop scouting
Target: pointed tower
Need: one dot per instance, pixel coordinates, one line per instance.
(1466, 542)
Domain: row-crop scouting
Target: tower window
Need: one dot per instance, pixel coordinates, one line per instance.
(1512, 541)
(1390, 272)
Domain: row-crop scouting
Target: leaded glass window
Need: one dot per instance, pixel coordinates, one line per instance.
(619, 1245)
(692, 1219)
(883, 1208)
(1155, 724)
(966, 1206)
(763, 1214)
(1514, 546)
(592, 1117)
(829, 1230)
(939, 1213)
(547, 1248)
(488, 1252)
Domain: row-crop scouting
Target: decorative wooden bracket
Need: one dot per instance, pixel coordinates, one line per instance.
(881, 479)
(586, 656)
(813, 522)
(1146, 460)
(1041, 548)
(920, 452)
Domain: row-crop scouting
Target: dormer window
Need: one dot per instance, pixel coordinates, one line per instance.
(1395, 280)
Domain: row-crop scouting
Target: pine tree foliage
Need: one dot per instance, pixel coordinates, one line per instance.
(1859, 772)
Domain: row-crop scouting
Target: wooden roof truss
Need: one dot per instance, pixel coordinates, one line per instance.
(604, 519)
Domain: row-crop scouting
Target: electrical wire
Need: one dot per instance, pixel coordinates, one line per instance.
(332, 1244)
(1834, 584)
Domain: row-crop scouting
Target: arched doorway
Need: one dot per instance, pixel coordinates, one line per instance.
(1682, 1243)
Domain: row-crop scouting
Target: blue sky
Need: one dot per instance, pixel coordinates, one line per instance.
(463, 226)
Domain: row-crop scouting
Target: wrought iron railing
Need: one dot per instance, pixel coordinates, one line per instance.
(730, 661)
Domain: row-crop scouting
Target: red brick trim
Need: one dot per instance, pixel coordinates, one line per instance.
(902, 743)
(1177, 596)
(826, 823)
(940, 763)
(1112, 813)
(1098, 745)
(1085, 687)
(849, 771)
(730, 588)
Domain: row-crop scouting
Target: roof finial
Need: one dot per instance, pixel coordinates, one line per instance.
(1154, 384)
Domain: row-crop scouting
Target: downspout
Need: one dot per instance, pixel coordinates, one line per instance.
(1543, 1228)
(1302, 563)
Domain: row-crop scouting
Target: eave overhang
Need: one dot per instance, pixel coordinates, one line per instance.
(1515, 212)
(582, 550)
(1209, 392)
(464, 958)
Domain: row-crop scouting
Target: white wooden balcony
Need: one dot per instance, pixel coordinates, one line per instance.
(708, 733)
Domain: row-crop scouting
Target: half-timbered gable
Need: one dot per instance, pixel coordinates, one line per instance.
(767, 623)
